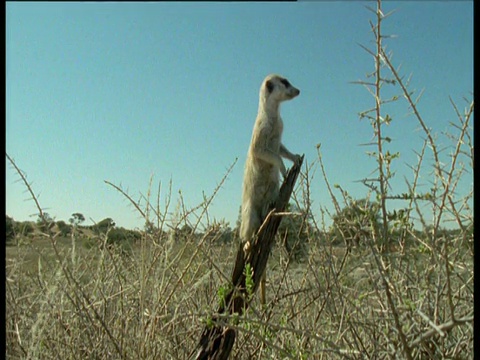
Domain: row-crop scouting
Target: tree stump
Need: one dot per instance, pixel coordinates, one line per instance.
(216, 341)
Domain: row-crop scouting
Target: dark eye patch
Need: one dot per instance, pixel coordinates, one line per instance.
(269, 86)
(285, 82)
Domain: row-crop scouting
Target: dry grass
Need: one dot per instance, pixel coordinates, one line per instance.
(153, 303)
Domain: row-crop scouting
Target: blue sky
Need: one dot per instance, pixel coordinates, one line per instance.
(124, 91)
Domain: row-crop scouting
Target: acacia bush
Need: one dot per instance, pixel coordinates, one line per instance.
(294, 233)
(103, 226)
(357, 223)
(122, 235)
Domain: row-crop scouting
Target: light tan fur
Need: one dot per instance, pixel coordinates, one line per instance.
(264, 162)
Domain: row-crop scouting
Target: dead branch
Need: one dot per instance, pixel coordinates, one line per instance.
(216, 341)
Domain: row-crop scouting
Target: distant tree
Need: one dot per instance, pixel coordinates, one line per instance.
(64, 228)
(186, 230)
(76, 219)
(103, 226)
(122, 235)
(24, 228)
(294, 231)
(46, 222)
(181, 234)
(469, 234)
(150, 227)
(220, 232)
(155, 233)
(357, 222)
(46, 217)
(116, 236)
(10, 228)
(238, 223)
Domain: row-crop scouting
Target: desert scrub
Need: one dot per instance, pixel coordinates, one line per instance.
(403, 290)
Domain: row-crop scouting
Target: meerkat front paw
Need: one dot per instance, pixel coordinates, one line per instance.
(247, 247)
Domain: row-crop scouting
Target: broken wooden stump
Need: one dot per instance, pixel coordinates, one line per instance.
(216, 341)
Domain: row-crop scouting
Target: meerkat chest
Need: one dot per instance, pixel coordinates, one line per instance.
(276, 132)
(267, 134)
(277, 125)
(273, 126)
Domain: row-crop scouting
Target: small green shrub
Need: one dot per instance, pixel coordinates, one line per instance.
(9, 228)
(64, 228)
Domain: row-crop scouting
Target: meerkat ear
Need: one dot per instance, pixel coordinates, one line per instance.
(269, 85)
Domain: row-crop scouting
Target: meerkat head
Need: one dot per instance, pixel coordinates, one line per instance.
(276, 88)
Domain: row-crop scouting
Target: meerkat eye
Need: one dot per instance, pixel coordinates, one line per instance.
(269, 86)
(285, 82)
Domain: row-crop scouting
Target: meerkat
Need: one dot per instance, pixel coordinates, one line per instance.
(264, 162)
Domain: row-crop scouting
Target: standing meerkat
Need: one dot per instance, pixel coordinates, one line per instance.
(264, 162)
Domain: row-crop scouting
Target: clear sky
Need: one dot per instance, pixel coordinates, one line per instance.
(123, 91)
